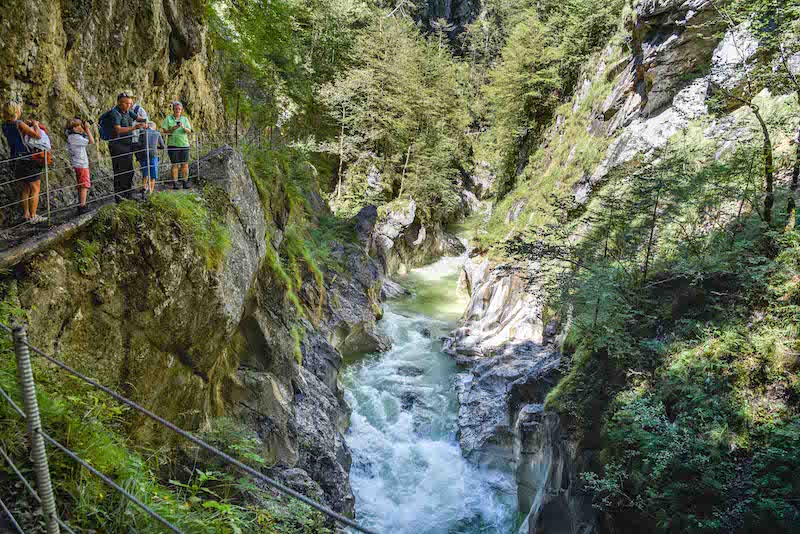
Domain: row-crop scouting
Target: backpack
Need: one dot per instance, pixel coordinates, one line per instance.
(142, 113)
(105, 125)
(139, 110)
(39, 148)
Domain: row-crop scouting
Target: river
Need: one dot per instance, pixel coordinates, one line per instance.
(408, 475)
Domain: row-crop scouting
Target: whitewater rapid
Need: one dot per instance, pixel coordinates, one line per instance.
(408, 475)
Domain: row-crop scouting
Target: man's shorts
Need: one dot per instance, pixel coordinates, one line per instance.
(82, 176)
(178, 155)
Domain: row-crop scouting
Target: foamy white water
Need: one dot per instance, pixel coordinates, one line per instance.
(408, 474)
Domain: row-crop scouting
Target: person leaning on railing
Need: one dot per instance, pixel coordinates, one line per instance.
(27, 171)
(125, 122)
(177, 127)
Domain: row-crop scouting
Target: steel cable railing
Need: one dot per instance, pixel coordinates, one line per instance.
(98, 162)
(11, 517)
(187, 435)
(22, 478)
(152, 513)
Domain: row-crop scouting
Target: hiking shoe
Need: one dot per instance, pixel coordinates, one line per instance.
(37, 220)
(82, 210)
(185, 184)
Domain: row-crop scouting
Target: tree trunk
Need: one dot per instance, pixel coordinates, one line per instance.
(341, 156)
(796, 171)
(236, 124)
(650, 240)
(403, 177)
(769, 179)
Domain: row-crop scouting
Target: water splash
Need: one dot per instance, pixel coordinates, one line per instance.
(408, 474)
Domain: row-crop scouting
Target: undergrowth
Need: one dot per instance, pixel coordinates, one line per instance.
(195, 493)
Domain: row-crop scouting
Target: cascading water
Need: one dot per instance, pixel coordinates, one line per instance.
(408, 474)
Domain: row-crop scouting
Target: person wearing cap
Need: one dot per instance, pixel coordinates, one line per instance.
(121, 145)
(177, 127)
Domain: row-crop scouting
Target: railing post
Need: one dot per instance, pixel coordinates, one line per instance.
(38, 454)
(47, 186)
(148, 177)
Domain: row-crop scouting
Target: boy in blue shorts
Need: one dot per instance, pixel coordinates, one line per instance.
(150, 141)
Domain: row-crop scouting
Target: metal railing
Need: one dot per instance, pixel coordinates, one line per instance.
(100, 168)
(37, 436)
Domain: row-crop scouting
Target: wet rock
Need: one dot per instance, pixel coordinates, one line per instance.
(549, 489)
(490, 394)
(408, 370)
(316, 424)
(353, 302)
(500, 311)
(392, 290)
(470, 203)
(298, 480)
(402, 242)
(361, 339)
(482, 180)
(408, 399)
(365, 224)
(426, 333)
(452, 245)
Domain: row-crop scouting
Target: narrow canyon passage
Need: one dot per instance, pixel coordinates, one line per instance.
(408, 474)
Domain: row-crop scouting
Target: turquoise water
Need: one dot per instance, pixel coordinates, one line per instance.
(408, 474)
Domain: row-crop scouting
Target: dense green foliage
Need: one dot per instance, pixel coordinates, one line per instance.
(683, 335)
(538, 68)
(402, 111)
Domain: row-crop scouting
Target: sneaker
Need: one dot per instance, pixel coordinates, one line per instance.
(82, 210)
(185, 184)
(37, 220)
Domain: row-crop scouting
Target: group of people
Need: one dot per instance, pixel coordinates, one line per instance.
(126, 141)
(129, 133)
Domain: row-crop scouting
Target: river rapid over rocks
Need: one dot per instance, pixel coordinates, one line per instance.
(408, 472)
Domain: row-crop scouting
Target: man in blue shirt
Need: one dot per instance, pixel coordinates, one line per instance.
(121, 145)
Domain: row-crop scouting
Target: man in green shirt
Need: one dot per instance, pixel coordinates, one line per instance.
(177, 127)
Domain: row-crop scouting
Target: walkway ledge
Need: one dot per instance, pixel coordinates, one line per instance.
(29, 248)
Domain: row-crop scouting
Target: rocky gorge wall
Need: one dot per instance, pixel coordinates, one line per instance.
(195, 331)
(62, 59)
(72, 58)
(401, 242)
(510, 352)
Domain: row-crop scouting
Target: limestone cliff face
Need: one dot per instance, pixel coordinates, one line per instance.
(74, 56)
(137, 302)
(402, 242)
(659, 89)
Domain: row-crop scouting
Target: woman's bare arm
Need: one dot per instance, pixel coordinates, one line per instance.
(34, 132)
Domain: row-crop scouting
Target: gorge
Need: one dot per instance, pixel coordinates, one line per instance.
(494, 266)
